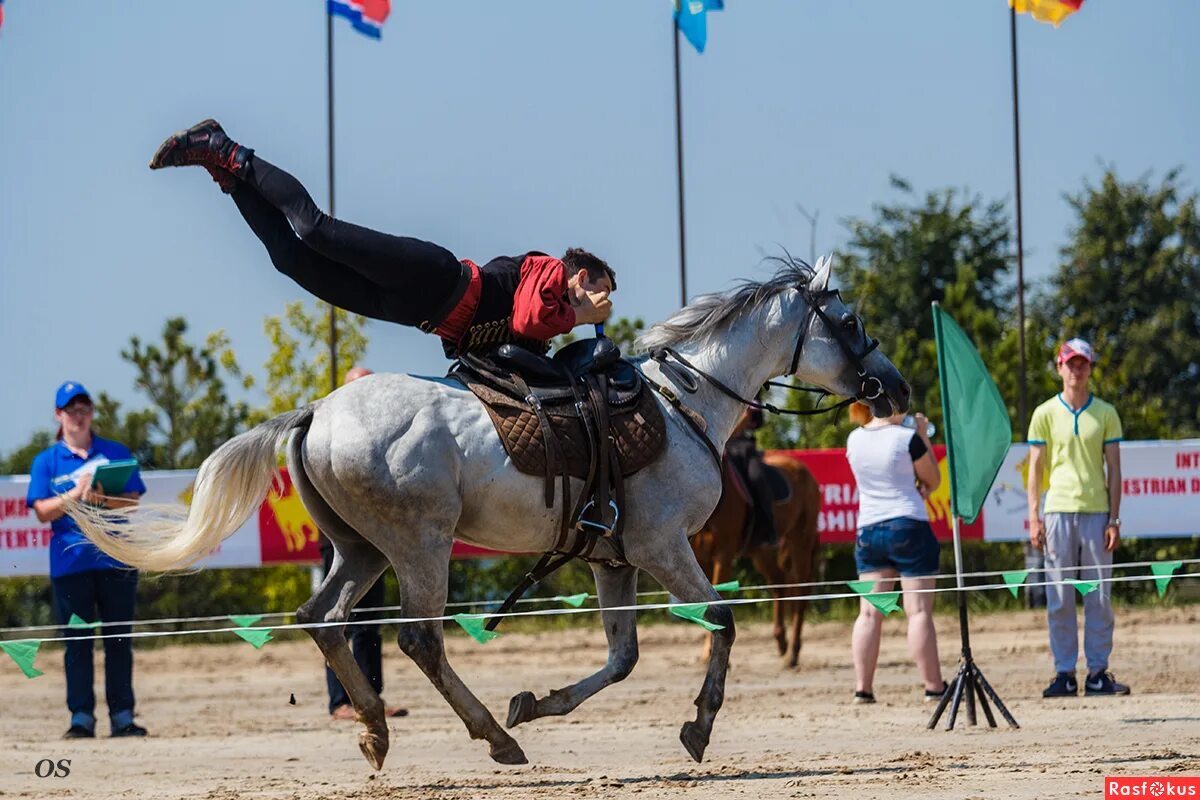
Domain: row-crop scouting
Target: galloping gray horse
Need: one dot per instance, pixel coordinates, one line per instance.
(395, 467)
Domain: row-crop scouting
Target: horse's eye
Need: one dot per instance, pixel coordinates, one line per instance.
(850, 324)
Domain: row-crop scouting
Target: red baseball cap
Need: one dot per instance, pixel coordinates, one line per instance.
(1073, 348)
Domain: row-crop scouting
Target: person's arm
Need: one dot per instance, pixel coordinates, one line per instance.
(1112, 460)
(540, 307)
(1033, 493)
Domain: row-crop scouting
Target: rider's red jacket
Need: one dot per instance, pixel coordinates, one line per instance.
(520, 299)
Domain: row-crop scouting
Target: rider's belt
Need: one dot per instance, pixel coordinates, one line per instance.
(451, 318)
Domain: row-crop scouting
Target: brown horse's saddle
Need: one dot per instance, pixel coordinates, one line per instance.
(585, 413)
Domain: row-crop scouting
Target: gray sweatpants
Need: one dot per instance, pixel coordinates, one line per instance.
(1077, 540)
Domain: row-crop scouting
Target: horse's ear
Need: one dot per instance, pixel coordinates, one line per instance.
(820, 280)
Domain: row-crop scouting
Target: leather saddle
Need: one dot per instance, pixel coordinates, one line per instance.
(585, 413)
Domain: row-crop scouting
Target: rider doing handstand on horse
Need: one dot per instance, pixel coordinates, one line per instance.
(526, 299)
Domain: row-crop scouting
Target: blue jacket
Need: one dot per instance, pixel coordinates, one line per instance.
(53, 473)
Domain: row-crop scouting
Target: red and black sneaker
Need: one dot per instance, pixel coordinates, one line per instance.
(205, 144)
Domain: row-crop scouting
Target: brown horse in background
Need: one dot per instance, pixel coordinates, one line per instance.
(793, 559)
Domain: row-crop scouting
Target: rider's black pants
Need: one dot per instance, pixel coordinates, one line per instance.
(392, 278)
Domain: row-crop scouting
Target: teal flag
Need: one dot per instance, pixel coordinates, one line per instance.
(690, 18)
(978, 430)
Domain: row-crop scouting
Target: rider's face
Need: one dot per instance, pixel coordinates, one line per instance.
(583, 282)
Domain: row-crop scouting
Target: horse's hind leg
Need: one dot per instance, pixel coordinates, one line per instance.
(356, 566)
(670, 560)
(423, 573)
(616, 586)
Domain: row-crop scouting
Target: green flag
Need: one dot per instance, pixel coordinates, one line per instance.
(978, 431)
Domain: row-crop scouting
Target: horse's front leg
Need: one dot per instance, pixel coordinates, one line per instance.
(616, 586)
(671, 561)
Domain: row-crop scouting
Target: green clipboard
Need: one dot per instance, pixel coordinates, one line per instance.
(112, 477)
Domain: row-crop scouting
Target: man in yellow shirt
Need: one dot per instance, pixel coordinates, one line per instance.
(1076, 436)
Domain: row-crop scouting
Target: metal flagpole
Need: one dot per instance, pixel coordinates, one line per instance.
(333, 371)
(317, 573)
(1021, 404)
(679, 166)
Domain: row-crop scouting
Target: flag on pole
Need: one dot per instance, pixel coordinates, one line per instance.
(978, 430)
(1052, 11)
(691, 21)
(367, 16)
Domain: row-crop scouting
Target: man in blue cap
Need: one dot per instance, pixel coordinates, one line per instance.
(87, 584)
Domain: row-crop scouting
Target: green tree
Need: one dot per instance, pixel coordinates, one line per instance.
(297, 371)
(18, 461)
(190, 413)
(945, 246)
(1129, 282)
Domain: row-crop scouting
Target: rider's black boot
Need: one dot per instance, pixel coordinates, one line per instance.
(206, 145)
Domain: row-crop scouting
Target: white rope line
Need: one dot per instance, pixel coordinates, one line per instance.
(527, 600)
(545, 612)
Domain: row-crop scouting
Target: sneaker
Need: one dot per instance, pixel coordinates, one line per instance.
(204, 144)
(79, 732)
(933, 697)
(864, 698)
(132, 729)
(1103, 683)
(1063, 685)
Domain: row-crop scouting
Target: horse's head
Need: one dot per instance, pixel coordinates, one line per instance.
(833, 350)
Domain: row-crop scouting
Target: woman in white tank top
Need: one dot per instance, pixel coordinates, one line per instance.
(895, 470)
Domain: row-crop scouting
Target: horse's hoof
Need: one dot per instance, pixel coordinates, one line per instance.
(522, 708)
(694, 740)
(374, 748)
(781, 643)
(508, 753)
(792, 662)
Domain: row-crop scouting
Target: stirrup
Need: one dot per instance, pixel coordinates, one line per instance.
(601, 528)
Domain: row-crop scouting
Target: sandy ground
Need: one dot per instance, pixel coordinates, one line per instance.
(222, 727)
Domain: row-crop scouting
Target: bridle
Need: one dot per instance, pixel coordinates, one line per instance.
(685, 373)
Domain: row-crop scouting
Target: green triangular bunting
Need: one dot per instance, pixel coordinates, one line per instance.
(727, 586)
(23, 654)
(76, 622)
(886, 602)
(245, 620)
(1084, 587)
(573, 600)
(861, 587)
(255, 636)
(694, 612)
(1015, 579)
(473, 625)
(1164, 571)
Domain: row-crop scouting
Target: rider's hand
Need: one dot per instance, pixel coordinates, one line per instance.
(594, 308)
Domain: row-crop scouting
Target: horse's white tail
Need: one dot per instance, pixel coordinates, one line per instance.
(230, 486)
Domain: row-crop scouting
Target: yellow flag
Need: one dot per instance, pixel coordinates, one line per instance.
(1052, 11)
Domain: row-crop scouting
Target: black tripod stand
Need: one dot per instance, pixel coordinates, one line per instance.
(969, 679)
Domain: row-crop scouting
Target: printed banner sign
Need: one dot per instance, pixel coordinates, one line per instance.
(1160, 486)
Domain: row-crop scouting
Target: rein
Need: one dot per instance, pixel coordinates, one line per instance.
(685, 373)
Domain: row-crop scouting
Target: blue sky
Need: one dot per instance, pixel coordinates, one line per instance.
(499, 127)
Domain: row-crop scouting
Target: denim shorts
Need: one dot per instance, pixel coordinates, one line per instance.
(903, 544)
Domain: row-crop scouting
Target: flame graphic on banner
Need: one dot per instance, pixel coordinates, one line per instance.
(938, 502)
(293, 519)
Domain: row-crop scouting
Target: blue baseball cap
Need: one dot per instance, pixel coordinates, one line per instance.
(68, 392)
